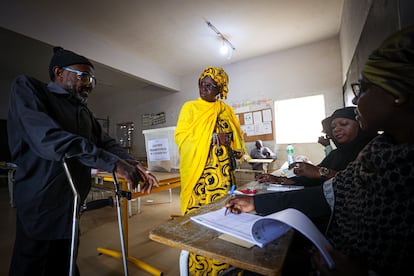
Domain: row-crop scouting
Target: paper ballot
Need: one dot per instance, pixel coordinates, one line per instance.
(263, 230)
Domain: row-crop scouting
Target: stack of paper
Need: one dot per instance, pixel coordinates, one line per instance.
(263, 230)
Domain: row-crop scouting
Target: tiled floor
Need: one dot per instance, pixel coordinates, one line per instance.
(99, 228)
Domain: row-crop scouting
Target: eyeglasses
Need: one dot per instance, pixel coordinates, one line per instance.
(208, 86)
(356, 89)
(83, 76)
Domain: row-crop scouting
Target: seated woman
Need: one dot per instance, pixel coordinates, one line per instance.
(261, 152)
(349, 138)
(372, 222)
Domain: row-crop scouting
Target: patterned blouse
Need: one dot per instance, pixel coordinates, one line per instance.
(373, 216)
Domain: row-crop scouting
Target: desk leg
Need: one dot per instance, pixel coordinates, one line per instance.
(116, 254)
(265, 166)
(139, 205)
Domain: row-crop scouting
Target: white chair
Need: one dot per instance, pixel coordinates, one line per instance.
(184, 262)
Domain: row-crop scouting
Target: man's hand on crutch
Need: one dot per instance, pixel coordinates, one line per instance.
(134, 172)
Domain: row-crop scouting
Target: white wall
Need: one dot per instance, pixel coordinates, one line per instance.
(353, 19)
(304, 71)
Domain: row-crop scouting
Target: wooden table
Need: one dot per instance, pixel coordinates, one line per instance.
(187, 235)
(166, 181)
(265, 163)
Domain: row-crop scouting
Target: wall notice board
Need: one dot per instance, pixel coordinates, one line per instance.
(257, 125)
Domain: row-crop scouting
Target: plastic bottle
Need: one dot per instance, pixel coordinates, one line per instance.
(290, 154)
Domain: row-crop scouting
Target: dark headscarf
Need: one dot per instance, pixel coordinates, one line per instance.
(62, 58)
(339, 158)
(346, 112)
(391, 66)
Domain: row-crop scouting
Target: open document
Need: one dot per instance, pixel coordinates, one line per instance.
(260, 230)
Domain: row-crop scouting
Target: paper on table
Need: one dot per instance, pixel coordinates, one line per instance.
(284, 172)
(263, 230)
(283, 188)
(233, 239)
(238, 225)
(300, 222)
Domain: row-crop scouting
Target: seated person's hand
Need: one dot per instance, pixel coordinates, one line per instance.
(270, 178)
(267, 153)
(240, 204)
(344, 265)
(305, 169)
(324, 141)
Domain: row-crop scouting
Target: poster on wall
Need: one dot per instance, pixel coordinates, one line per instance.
(262, 128)
(248, 129)
(152, 119)
(267, 115)
(248, 119)
(257, 117)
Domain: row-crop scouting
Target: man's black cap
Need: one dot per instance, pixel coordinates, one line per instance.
(62, 58)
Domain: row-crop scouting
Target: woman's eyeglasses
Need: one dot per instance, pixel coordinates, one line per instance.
(208, 86)
(83, 76)
(356, 89)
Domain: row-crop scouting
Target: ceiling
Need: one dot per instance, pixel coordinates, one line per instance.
(139, 43)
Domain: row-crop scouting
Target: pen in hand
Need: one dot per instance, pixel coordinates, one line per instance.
(233, 188)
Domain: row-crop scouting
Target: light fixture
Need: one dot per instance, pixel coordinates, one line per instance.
(226, 48)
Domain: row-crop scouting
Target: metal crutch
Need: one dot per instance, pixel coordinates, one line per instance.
(76, 216)
(118, 194)
(75, 221)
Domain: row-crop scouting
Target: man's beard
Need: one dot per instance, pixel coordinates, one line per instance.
(76, 94)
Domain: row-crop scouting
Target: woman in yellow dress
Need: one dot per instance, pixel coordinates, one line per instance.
(209, 140)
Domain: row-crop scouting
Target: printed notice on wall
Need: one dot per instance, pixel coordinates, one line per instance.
(263, 128)
(248, 129)
(248, 119)
(267, 115)
(257, 117)
(158, 150)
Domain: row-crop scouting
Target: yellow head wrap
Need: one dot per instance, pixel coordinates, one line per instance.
(391, 66)
(220, 77)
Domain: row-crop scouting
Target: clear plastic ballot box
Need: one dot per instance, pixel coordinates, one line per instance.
(162, 151)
